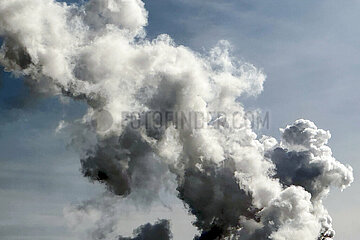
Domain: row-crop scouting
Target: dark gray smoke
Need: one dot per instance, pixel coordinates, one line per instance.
(216, 199)
(158, 231)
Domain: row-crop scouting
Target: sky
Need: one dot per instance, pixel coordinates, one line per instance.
(308, 50)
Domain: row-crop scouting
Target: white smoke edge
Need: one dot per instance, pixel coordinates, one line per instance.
(99, 52)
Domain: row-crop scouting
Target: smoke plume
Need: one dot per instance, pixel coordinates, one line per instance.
(236, 184)
(158, 231)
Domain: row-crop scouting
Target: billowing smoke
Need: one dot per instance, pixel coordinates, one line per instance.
(158, 231)
(236, 184)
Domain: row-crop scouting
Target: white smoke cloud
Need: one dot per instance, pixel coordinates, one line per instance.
(236, 185)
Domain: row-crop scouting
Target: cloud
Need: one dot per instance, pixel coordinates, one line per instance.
(235, 184)
(158, 231)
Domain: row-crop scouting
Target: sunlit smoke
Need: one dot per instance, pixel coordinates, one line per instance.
(236, 184)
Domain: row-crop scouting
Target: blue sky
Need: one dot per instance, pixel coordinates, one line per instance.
(309, 51)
